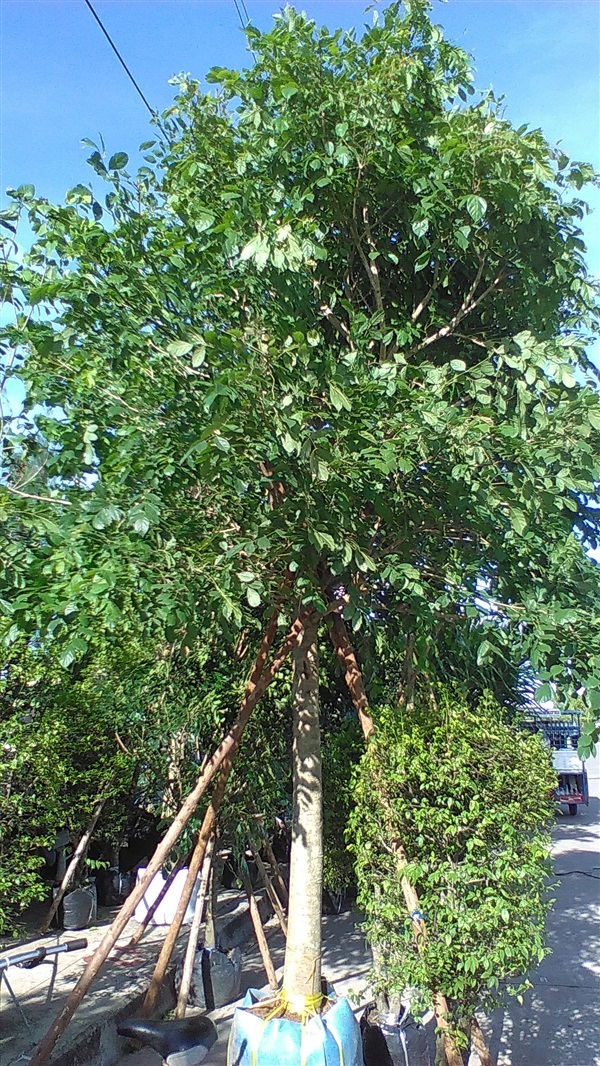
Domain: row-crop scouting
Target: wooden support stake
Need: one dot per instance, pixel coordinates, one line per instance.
(259, 932)
(480, 1044)
(74, 863)
(266, 880)
(192, 944)
(206, 831)
(152, 909)
(281, 885)
(42, 1052)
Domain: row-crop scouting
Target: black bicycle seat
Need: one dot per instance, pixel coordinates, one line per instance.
(182, 1042)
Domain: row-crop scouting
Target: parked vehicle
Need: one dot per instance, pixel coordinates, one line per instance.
(562, 733)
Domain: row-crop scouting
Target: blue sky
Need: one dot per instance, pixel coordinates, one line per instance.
(60, 82)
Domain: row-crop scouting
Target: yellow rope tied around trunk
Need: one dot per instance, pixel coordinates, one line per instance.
(304, 1006)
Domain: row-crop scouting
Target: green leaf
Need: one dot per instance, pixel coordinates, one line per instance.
(420, 227)
(203, 219)
(253, 596)
(80, 194)
(180, 348)
(476, 206)
(422, 261)
(543, 693)
(339, 400)
(221, 442)
(118, 161)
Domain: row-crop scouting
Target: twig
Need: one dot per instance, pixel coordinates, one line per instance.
(42, 499)
(337, 324)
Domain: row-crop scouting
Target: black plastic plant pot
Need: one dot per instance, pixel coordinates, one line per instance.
(80, 907)
(329, 1039)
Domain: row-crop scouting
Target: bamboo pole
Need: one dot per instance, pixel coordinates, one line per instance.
(354, 681)
(259, 932)
(480, 1044)
(192, 944)
(266, 880)
(74, 863)
(281, 886)
(254, 691)
(206, 830)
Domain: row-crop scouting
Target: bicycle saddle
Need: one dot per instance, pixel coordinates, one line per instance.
(182, 1042)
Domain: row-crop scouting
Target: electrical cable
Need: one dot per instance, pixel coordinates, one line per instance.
(153, 112)
(584, 873)
(237, 8)
(243, 24)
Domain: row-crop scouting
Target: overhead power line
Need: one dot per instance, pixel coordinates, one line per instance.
(247, 16)
(152, 111)
(237, 8)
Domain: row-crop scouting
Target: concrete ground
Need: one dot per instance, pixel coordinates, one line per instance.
(558, 1025)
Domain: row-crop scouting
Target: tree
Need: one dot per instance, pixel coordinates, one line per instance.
(469, 797)
(329, 343)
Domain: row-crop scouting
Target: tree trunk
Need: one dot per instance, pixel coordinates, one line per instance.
(302, 971)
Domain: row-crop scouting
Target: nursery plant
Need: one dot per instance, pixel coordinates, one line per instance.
(469, 796)
(325, 349)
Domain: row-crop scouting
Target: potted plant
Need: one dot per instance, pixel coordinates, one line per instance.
(303, 1022)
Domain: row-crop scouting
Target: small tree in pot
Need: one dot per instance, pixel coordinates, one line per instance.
(303, 1019)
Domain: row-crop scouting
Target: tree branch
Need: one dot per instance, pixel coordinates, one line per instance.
(468, 305)
(421, 306)
(42, 499)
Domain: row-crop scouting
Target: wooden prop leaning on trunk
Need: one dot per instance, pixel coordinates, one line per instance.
(257, 685)
(192, 944)
(76, 859)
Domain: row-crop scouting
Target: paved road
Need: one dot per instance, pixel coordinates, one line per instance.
(559, 1023)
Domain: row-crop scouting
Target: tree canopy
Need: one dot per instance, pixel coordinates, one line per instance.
(331, 335)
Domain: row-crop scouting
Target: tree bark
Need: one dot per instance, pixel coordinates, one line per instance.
(192, 944)
(302, 971)
(74, 863)
(352, 673)
(259, 682)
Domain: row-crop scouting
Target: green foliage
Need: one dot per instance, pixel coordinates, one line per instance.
(342, 747)
(336, 324)
(467, 796)
(338, 318)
